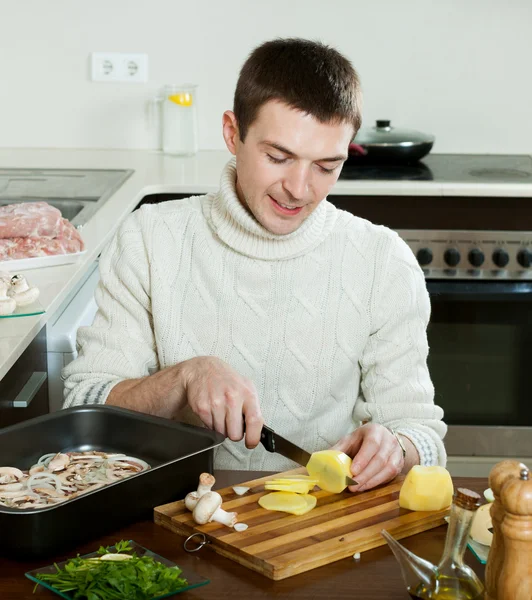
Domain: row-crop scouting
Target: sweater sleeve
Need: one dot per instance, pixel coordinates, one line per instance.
(120, 344)
(396, 386)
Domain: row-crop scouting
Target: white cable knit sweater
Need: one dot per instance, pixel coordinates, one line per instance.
(329, 321)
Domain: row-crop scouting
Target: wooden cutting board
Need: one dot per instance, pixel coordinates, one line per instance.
(279, 545)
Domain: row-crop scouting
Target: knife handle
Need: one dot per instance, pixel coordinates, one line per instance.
(267, 437)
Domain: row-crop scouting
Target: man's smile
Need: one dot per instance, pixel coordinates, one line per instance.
(285, 208)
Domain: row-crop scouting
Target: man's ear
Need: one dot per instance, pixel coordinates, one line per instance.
(230, 131)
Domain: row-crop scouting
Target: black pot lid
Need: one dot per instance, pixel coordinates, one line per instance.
(383, 134)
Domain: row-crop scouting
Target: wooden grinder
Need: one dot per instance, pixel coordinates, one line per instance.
(499, 475)
(515, 581)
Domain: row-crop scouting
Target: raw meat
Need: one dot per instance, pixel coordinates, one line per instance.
(30, 219)
(67, 242)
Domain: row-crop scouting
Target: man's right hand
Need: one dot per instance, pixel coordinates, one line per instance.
(222, 398)
(215, 392)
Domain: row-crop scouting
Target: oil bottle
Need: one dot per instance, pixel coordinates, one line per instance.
(451, 579)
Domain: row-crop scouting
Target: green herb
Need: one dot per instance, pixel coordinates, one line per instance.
(137, 578)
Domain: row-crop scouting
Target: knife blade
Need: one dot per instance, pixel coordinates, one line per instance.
(273, 442)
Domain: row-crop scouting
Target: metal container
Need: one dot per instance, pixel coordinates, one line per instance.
(176, 452)
(384, 142)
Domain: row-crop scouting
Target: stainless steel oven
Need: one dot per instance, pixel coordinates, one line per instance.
(476, 253)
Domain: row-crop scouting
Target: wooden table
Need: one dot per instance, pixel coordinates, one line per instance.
(376, 576)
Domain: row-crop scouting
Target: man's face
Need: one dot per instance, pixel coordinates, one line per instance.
(287, 164)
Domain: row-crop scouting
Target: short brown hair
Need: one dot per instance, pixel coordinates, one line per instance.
(306, 75)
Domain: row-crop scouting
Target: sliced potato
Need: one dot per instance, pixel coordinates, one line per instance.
(330, 468)
(298, 487)
(307, 478)
(285, 502)
(311, 503)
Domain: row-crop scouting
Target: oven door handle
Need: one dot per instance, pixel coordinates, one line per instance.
(478, 290)
(28, 391)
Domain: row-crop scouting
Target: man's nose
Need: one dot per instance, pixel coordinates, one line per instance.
(296, 181)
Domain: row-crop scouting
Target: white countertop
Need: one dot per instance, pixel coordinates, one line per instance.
(157, 173)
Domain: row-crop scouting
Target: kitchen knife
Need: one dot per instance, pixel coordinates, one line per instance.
(273, 442)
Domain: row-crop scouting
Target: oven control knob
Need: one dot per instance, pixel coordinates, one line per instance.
(501, 258)
(424, 256)
(524, 258)
(476, 257)
(451, 257)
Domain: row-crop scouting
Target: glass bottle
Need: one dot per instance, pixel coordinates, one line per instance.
(178, 119)
(452, 579)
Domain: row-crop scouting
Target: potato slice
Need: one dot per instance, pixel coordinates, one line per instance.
(284, 501)
(426, 488)
(307, 478)
(298, 487)
(311, 503)
(330, 468)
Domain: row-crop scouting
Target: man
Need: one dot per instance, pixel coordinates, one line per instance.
(263, 302)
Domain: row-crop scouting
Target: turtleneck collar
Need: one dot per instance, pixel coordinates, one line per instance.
(237, 228)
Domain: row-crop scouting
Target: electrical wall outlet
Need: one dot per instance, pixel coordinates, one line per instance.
(118, 67)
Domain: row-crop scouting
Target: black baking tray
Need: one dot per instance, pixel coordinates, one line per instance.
(176, 452)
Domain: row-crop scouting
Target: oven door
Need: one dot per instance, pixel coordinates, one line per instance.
(480, 360)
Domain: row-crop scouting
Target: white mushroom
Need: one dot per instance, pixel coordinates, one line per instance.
(8, 473)
(206, 481)
(209, 509)
(7, 304)
(191, 500)
(59, 462)
(21, 292)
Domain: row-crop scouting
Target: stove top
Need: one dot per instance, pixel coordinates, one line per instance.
(448, 168)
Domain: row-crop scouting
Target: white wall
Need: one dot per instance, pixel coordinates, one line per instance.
(460, 69)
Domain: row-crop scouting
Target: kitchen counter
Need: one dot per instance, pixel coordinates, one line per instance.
(157, 173)
(376, 576)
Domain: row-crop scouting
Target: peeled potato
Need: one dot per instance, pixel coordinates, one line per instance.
(330, 468)
(426, 488)
(286, 502)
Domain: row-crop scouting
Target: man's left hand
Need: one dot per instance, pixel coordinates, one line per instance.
(377, 455)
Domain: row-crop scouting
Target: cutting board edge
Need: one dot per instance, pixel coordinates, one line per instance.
(276, 572)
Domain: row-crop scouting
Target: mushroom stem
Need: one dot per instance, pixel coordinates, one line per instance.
(206, 481)
(226, 518)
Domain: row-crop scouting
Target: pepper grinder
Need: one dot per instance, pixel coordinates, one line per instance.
(515, 582)
(499, 475)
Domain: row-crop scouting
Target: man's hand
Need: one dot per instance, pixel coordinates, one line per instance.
(377, 455)
(222, 398)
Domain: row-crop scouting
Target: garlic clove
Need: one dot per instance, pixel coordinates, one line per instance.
(240, 490)
(240, 526)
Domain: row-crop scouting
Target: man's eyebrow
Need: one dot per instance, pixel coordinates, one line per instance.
(290, 153)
